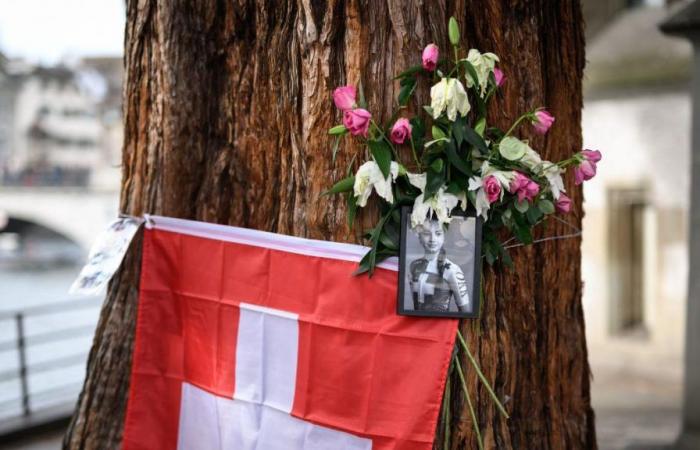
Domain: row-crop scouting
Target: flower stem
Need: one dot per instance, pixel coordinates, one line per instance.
(415, 155)
(446, 419)
(383, 136)
(469, 404)
(517, 122)
(481, 375)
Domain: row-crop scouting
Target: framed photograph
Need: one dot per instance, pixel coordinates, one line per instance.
(440, 267)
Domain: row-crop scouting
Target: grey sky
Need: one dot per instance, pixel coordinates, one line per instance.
(48, 31)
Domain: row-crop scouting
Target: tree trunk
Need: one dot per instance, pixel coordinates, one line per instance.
(226, 108)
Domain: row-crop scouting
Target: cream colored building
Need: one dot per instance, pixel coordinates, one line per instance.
(637, 112)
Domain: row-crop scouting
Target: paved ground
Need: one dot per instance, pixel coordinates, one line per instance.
(633, 409)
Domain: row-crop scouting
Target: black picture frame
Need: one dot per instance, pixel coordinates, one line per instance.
(474, 292)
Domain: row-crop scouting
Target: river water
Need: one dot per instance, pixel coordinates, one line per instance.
(58, 337)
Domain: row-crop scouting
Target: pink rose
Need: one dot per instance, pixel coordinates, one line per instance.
(400, 131)
(587, 168)
(518, 182)
(357, 121)
(542, 121)
(499, 77)
(430, 57)
(344, 97)
(492, 187)
(592, 155)
(524, 187)
(563, 204)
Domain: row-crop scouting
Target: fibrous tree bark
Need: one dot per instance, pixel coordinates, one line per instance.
(227, 106)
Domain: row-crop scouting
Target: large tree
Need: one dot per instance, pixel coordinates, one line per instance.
(226, 106)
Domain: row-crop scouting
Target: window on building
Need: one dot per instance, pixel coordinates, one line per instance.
(626, 259)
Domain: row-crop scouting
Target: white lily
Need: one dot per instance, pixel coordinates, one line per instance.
(417, 179)
(484, 64)
(505, 177)
(553, 173)
(369, 177)
(449, 95)
(441, 204)
(481, 204)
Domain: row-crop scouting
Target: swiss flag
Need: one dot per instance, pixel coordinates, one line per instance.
(252, 340)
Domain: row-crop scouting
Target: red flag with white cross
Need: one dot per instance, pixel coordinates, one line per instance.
(254, 340)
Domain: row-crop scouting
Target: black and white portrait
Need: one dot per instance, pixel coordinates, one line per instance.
(440, 267)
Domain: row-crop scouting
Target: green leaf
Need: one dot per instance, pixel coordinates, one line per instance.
(336, 144)
(387, 241)
(489, 254)
(438, 133)
(434, 181)
(523, 233)
(362, 103)
(505, 256)
(417, 132)
(382, 155)
(410, 71)
(522, 207)
(480, 126)
(534, 215)
(363, 266)
(343, 185)
(338, 130)
(435, 141)
(352, 208)
(429, 110)
(512, 148)
(546, 206)
(455, 159)
(437, 165)
(474, 139)
(453, 31)
(458, 133)
(406, 91)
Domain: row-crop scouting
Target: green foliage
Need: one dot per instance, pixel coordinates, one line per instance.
(450, 153)
(382, 155)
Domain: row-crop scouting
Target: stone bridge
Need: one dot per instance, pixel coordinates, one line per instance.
(79, 214)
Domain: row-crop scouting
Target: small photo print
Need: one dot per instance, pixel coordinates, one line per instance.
(440, 267)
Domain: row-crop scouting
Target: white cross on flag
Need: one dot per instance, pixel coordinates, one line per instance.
(249, 340)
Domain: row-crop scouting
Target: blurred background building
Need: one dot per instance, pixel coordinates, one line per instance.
(60, 151)
(60, 144)
(637, 111)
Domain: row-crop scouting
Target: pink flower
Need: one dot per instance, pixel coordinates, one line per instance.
(492, 187)
(563, 204)
(587, 168)
(357, 121)
(542, 121)
(400, 131)
(430, 57)
(344, 97)
(524, 187)
(499, 76)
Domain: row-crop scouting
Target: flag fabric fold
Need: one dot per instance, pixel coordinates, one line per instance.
(254, 340)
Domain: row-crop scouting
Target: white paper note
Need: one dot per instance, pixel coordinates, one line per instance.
(105, 256)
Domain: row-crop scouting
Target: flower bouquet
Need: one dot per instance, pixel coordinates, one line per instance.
(457, 159)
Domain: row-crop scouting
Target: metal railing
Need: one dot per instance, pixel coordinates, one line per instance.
(23, 342)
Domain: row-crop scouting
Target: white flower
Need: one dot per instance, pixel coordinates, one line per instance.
(531, 159)
(482, 204)
(484, 64)
(553, 173)
(369, 177)
(505, 177)
(441, 204)
(449, 95)
(417, 179)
